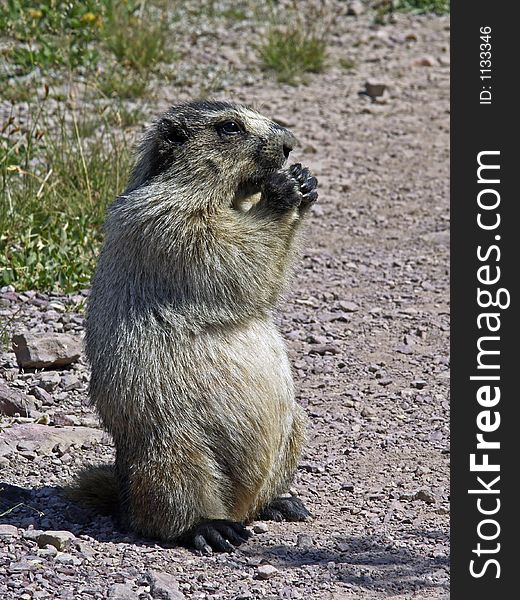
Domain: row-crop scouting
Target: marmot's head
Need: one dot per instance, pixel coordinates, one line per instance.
(229, 147)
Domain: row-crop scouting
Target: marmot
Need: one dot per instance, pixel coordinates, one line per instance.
(190, 375)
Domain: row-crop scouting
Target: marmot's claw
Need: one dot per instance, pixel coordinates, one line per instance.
(285, 509)
(292, 188)
(217, 535)
(307, 184)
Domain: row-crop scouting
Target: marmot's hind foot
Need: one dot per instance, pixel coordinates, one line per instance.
(217, 535)
(285, 509)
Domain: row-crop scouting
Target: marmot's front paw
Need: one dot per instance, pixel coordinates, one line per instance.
(307, 184)
(291, 189)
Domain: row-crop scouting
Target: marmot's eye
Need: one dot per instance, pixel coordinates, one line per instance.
(229, 128)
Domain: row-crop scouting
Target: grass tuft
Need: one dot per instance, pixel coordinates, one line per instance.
(55, 187)
(292, 53)
(439, 7)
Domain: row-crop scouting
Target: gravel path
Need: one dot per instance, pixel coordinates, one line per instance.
(367, 325)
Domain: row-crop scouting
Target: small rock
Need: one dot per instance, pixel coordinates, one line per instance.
(419, 384)
(48, 551)
(7, 531)
(347, 487)
(348, 306)
(33, 437)
(426, 61)
(164, 586)
(66, 459)
(375, 88)
(64, 559)
(323, 349)
(304, 540)
(260, 528)
(122, 591)
(41, 395)
(266, 571)
(48, 381)
(404, 349)
(59, 539)
(70, 382)
(355, 8)
(425, 495)
(38, 351)
(13, 402)
(62, 419)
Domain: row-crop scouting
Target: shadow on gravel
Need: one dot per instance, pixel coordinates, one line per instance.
(48, 508)
(370, 562)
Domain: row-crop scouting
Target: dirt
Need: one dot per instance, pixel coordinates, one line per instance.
(367, 326)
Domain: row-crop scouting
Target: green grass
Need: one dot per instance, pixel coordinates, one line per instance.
(138, 43)
(123, 84)
(346, 63)
(63, 34)
(292, 53)
(61, 166)
(439, 7)
(52, 32)
(54, 189)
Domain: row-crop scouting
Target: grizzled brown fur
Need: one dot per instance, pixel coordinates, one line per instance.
(189, 373)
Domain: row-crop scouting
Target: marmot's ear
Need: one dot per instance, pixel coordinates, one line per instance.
(172, 132)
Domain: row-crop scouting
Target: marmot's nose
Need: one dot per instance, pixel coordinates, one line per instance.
(288, 142)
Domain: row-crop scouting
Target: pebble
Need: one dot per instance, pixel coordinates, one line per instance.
(375, 88)
(164, 586)
(426, 61)
(13, 402)
(348, 306)
(425, 495)
(260, 528)
(48, 381)
(43, 350)
(304, 540)
(355, 8)
(8, 531)
(59, 539)
(266, 571)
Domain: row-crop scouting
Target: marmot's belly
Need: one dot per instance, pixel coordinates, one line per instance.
(248, 389)
(245, 371)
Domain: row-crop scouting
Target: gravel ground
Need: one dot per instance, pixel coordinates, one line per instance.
(367, 325)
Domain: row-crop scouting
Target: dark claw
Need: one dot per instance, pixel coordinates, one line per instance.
(270, 514)
(309, 185)
(310, 197)
(288, 509)
(216, 535)
(200, 544)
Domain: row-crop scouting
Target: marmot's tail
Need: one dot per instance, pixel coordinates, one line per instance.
(96, 487)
